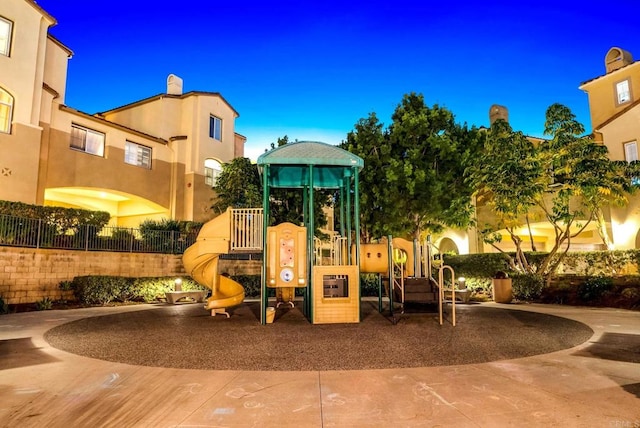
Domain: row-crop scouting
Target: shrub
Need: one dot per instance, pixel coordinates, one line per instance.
(151, 289)
(631, 295)
(44, 304)
(251, 284)
(369, 285)
(594, 288)
(527, 286)
(102, 290)
(4, 307)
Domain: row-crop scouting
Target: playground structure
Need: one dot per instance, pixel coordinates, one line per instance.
(294, 258)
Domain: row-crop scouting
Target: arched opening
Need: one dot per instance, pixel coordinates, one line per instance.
(6, 111)
(212, 169)
(448, 246)
(126, 210)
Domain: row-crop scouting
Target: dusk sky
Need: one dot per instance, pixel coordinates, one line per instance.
(311, 70)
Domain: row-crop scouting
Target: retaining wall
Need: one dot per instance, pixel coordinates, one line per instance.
(28, 275)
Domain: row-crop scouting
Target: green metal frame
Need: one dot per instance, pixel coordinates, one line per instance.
(311, 165)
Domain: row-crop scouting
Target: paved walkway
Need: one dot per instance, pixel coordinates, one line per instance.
(595, 384)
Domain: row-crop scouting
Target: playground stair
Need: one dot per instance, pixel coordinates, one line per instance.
(420, 290)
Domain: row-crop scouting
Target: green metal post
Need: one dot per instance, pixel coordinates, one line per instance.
(349, 239)
(342, 208)
(379, 293)
(390, 254)
(356, 226)
(264, 297)
(310, 235)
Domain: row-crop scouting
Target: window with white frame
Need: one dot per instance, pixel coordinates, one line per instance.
(215, 127)
(212, 169)
(5, 36)
(137, 154)
(87, 140)
(631, 151)
(623, 92)
(6, 110)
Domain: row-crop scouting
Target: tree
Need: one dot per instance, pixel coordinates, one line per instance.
(238, 186)
(369, 141)
(413, 179)
(509, 177)
(567, 178)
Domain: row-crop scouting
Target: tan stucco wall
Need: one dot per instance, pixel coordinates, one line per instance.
(602, 93)
(55, 68)
(624, 129)
(72, 168)
(21, 73)
(19, 153)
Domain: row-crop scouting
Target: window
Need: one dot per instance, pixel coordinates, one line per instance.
(623, 92)
(135, 154)
(5, 36)
(631, 151)
(87, 140)
(6, 110)
(212, 170)
(215, 128)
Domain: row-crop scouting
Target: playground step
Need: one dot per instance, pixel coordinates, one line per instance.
(417, 297)
(419, 285)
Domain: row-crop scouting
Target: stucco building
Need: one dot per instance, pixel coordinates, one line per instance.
(153, 158)
(614, 105)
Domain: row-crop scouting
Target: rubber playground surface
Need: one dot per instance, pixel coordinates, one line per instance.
(186, 336)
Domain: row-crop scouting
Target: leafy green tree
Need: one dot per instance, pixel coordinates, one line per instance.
(369, 141)
(238, 186)
(508, 177)
(567, 179)
(413, 180)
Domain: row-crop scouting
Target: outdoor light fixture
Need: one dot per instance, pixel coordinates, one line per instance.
(178, 284)
(461, 282)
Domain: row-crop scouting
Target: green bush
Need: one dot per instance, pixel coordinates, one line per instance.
(477, 265)
(251, 284)
(153, 288)
(44, 304)
(102, 290)
(369, 285)
(527, 286)
(594, 288)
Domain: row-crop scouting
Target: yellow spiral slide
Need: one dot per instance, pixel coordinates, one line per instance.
(201, 263)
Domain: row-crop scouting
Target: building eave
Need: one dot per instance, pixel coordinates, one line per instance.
(43, 12)
(106, 122)
(590, 81)
(61, 45)
(161, 96)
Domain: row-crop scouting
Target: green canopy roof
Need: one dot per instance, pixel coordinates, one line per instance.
(289, 165)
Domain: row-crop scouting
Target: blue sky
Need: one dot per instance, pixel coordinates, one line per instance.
(311, 70)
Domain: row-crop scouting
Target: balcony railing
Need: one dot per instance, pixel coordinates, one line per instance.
(35, 233)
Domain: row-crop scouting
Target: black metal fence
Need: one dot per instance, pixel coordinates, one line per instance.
(36, 233)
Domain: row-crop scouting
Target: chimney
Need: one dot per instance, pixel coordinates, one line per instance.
(174, 85)
(498, 112)
(617, 58)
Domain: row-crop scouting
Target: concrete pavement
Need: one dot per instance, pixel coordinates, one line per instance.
(595, 384)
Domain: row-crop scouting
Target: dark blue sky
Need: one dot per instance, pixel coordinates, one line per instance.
(311, 70)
